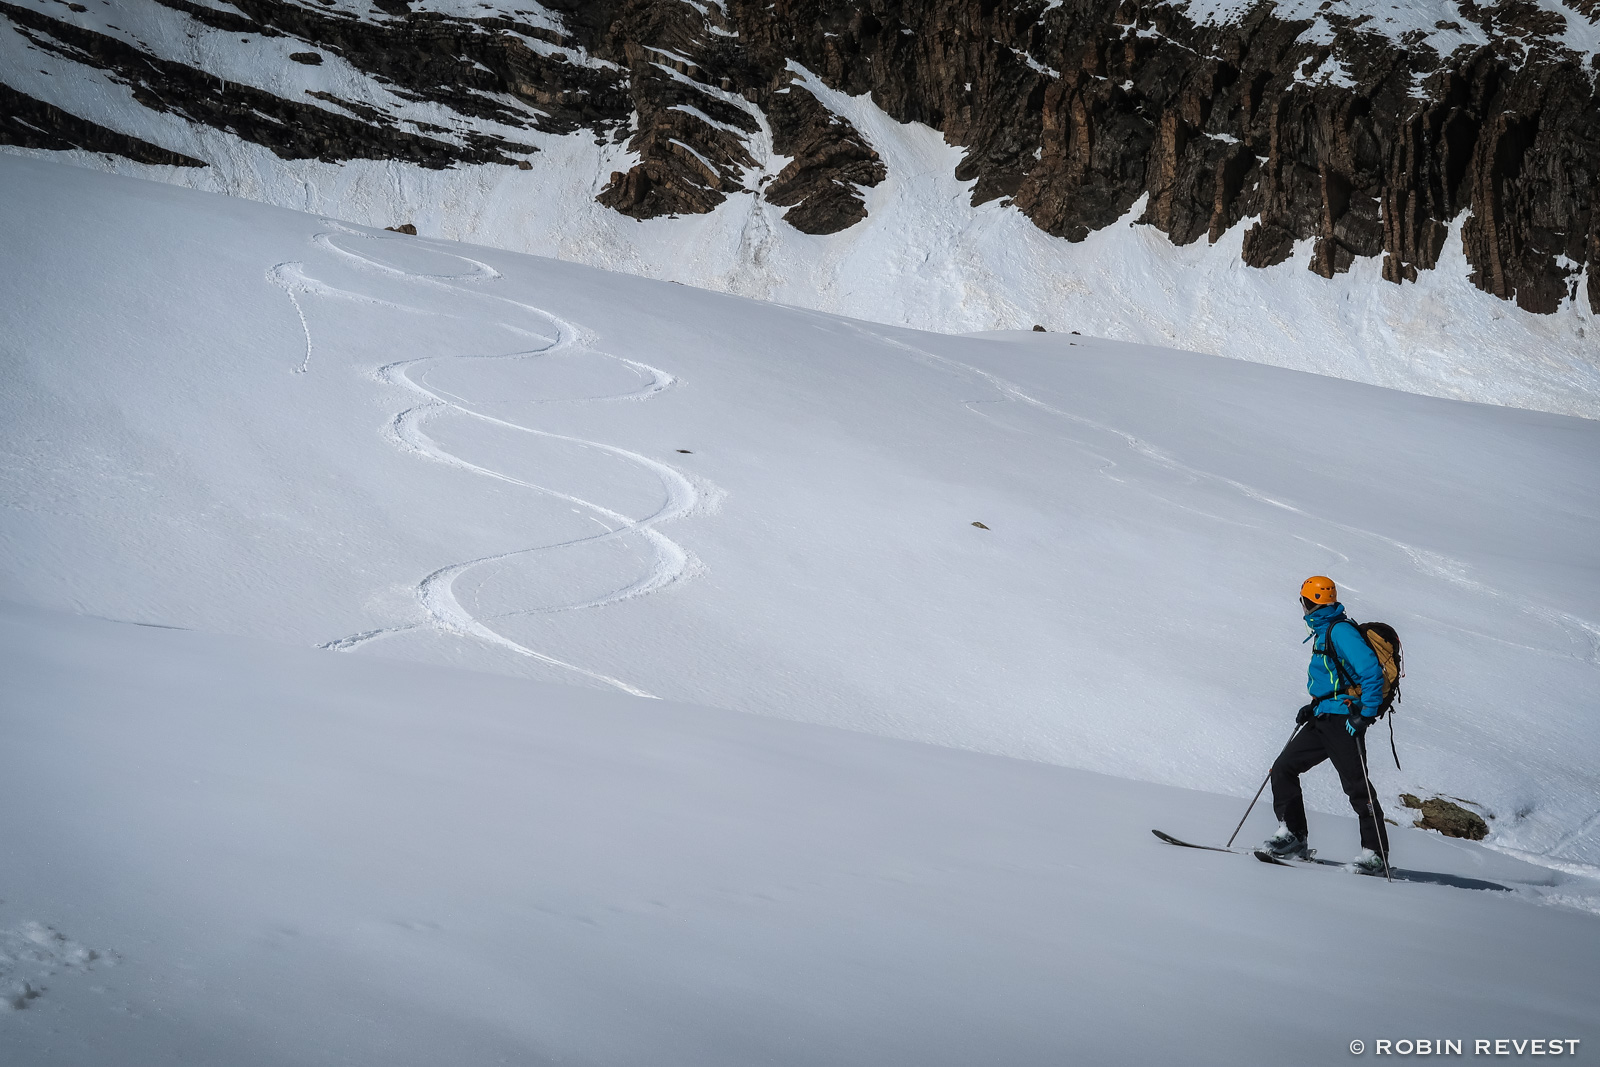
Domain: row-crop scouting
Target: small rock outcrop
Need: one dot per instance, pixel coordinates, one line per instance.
(1447, 817)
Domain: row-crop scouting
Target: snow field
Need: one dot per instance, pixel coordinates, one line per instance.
(392, 490)
(248, 421)
(293, 857)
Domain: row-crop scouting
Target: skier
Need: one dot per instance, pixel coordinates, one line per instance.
(1332, 727)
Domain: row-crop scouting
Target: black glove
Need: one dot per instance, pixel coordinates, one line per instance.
(1306, 714)
(1355, 724)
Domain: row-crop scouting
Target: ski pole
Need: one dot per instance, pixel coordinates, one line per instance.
(1297, 728)
(1372, 809)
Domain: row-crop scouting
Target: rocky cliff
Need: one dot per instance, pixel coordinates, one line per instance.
(1366, 129)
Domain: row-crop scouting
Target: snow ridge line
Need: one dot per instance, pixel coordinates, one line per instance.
(435, 593)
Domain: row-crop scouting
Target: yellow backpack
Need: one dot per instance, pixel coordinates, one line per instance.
(1385, 644)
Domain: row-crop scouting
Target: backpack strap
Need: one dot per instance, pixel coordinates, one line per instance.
(1333, 653)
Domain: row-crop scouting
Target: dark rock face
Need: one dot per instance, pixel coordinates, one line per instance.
(1322, 131)
(460, 63)
(291, 128)
(30, 123)
(691, 133)
(830, 163)
(1533, 187)
(700, 99)
(1078, 112)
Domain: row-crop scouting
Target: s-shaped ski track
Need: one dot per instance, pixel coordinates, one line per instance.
(406, 430)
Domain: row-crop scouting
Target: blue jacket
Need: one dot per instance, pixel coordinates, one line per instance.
(1361, 664)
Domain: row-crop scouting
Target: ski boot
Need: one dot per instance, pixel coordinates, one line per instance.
(1369, 862)
(1286, 845)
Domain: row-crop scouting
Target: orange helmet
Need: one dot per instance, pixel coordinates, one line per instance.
(1319, 590)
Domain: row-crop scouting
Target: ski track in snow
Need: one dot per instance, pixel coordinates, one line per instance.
(1435, 565)
(291, 279)
(436, 593)
(1576, 834)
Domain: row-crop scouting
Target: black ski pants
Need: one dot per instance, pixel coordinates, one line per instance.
(1325, 738)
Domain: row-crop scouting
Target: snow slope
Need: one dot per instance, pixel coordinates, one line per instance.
(284, 430)
(249, 421)
(924, 258)
(242, 853)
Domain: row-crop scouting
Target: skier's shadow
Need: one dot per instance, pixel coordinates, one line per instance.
(1434, 878)
(1447, 879)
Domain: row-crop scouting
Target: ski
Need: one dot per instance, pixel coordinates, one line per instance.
(1169, 839)
(1424, 877)
(1261, 854)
